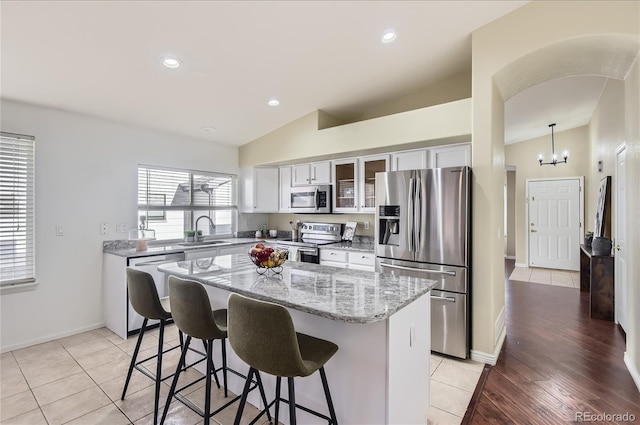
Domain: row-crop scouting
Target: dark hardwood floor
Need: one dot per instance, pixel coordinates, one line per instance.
(555, 362)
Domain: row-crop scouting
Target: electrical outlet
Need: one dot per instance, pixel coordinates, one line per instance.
(104, 228)
(59, 230)
(121, 228)
(366, 225)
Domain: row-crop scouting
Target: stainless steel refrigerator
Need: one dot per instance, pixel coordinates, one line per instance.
(423, 229)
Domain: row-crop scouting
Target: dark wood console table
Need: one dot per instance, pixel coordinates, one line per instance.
(596, 277)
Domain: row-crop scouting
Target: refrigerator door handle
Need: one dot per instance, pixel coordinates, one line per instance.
(418, 214)
(411, 214)
(413, 269)
(448, 299)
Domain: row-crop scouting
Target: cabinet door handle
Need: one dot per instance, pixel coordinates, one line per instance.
(617, 247)
(534, 231)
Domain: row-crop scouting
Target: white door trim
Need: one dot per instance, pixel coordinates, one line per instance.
(526, 206)
(620, 281)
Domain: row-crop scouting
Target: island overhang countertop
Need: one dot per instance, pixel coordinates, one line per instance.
(352, 296)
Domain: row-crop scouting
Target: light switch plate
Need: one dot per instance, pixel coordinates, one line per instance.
(121, 228)
(59, 230)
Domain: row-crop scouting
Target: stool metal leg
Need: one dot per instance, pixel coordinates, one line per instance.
(327, 394)
(174, 382)
(262, 394)
(133, 359)
(243, 399)
(292, 402)
(224, 365)
(158, 372)
(278, 383)
(207, 388)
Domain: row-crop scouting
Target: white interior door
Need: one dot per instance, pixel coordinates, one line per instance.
(621, 238)
(554, 223)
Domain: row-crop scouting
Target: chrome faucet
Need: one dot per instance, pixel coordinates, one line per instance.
(211, 224)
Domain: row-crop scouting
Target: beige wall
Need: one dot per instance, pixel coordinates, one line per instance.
(524, 156)
(510, 244)
(455, 87)
(579, 38)
(301, 139)
(606, 133)
(632, 137)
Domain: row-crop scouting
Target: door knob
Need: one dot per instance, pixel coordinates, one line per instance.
(617, 247)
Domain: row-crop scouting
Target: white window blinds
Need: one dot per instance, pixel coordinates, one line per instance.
(17, 251)
(170, 201)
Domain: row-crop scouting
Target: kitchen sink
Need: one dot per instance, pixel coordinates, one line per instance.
(201, 243)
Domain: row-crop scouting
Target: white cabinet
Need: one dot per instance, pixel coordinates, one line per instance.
(450, 156)
(333, 257)
(355, 183)
(362, 261)
(355, 260)
(260, 190)
(311, 173)
(285, 189)
(409, 160)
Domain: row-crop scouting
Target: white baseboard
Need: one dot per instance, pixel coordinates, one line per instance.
(510, 257)
(488, 358)
(522, 265)
(632, 370)
(499, 326)
(49, 338)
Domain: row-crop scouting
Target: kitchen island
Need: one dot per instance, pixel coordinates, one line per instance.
(381, 322)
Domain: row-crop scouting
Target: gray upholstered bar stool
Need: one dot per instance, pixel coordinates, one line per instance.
(262, 334)
(192, 314)
(144, 299)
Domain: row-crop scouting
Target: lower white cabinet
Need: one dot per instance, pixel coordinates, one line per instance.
(356, 260)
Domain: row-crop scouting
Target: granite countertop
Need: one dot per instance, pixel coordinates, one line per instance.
(124, 248)
(352, 296)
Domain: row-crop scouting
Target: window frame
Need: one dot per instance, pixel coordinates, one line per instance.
(190, 209)
(28, 280)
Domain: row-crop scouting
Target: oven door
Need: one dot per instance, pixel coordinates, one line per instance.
(309, 255)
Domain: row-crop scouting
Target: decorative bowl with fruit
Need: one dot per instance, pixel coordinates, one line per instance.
(267, 258)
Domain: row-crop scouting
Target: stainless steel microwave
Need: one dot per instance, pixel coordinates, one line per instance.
(311, 199)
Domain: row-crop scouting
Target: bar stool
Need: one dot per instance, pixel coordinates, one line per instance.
(192, 314)
(262, 334)
(144, 299)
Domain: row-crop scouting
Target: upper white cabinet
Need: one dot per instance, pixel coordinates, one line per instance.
(311, 173)
(285, 189)
(260, 190)
(409, 160)
(436, 157)
(355, 188)
(450, 156)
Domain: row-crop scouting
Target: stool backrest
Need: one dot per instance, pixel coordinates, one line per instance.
(143, 295)
(262, 335)
(191, 309)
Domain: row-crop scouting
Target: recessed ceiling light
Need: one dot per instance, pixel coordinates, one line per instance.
(208, 129)
(171, 62)
(389, 36)
(273, 102)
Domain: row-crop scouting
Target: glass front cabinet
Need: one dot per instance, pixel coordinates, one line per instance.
(355, 180)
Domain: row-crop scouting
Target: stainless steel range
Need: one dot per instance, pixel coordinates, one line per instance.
(312, 235)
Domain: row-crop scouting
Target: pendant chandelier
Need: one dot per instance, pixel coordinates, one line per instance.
(554, 157)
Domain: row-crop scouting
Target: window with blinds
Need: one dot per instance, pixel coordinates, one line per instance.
(170, 201)
(17, 251)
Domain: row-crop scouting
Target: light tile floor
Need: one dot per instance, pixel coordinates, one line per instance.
(569, 279)
(78, 380)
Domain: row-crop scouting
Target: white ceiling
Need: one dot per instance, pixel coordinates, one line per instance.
(102, 58)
